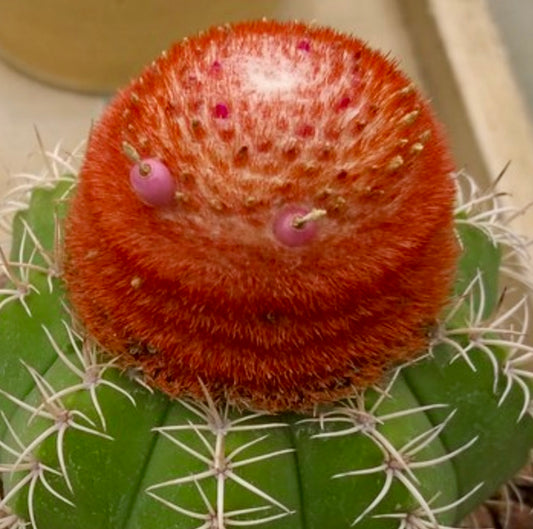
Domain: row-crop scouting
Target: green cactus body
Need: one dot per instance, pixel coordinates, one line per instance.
(86, 445)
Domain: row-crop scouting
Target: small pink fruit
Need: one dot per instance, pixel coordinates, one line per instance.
(152, 182)
(296, 225)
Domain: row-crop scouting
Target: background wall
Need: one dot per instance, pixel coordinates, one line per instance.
(514, 19)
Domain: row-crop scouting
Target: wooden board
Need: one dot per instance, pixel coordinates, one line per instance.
(468, 76)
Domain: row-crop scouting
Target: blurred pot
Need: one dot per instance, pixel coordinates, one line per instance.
(99, 45)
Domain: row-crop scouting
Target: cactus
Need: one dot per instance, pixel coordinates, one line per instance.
(387, 394)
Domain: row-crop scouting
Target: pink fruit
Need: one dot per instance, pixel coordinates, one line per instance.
(152, 182)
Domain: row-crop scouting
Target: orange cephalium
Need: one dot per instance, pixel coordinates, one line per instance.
(267, 212)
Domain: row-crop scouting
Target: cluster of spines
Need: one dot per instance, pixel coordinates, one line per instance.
(9, 520)
(350, 417)
(220, 465)
(59, 166)
(354, 416)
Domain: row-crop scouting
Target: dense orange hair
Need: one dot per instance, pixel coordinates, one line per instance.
(252, 119)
